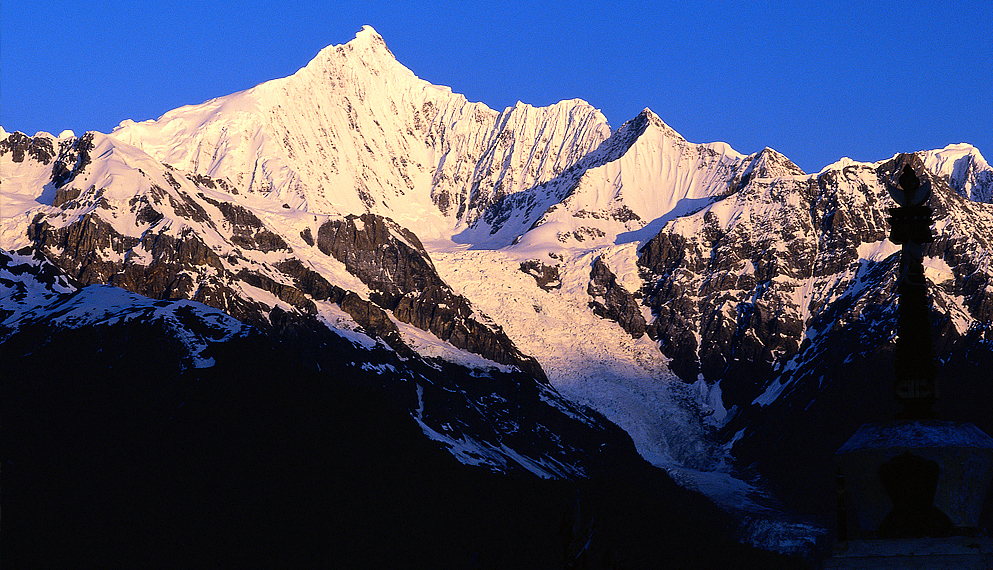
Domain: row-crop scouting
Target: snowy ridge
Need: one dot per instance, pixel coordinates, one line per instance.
(411, 222)
(133, 193)
(963, 167)
(228, 248)
(355, 131)
(644, 176)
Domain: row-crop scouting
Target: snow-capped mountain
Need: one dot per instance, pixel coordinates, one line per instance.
(170, 433)
(512, 280)
(783, 294)
(643, 176)
(355, 131)
(964, 169)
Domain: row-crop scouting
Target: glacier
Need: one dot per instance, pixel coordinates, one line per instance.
(717, 248)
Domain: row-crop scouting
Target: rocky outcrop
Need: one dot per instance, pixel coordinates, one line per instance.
(248, 231)
(81, 248)
(157, 265)
(21, 145)
(386, 257)
(393, 263)
(765, 164)
(612, 301)
(74, 157)
(784, 293)
(546, 276)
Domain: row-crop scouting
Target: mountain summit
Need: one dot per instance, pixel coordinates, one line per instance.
(355, 131)
(531, 292)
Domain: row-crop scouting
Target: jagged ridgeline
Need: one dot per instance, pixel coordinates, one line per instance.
(527, 292)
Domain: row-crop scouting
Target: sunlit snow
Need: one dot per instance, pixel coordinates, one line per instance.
(484, 190)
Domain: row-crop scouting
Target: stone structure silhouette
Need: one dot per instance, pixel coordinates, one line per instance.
(911, 491)
(915, 372)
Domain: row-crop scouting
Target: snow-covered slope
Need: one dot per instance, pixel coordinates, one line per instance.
(355, 131)
(359, 201)
(590, 360)
(644, 176)
(963, 167)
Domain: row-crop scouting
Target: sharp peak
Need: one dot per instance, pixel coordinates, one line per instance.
(628, 134)
(771, 162)
(768, 151)
(369, 38)
(643, 121)
(367, 33)
(366, 41)
(647, 114)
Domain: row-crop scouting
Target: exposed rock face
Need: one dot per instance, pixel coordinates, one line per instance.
(789, 285)
(247, 229)
(486, 412)
(74, 156)
(546, 276)
(731, 285)
(758, 264)
(19, 145)
(612, 301)
(156, 265)
(386, 257)
(393, 263)
(175, 236)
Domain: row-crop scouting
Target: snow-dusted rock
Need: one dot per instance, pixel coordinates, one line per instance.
(353, 200)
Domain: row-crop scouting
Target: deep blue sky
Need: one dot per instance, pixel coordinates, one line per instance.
(858, 79)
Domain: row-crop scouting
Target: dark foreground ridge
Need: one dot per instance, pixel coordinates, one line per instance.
(117, 454)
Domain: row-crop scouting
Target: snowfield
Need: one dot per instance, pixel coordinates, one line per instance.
(485, 191)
